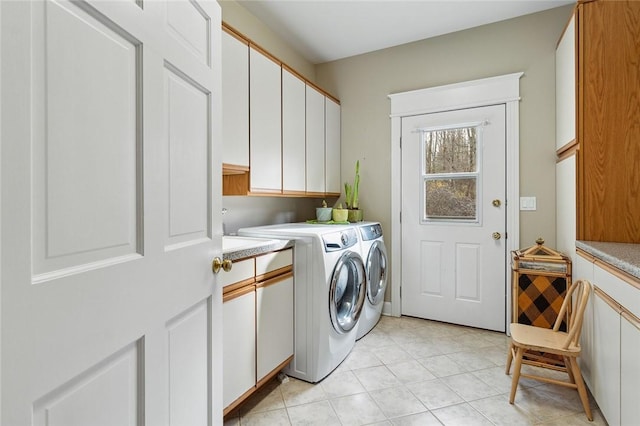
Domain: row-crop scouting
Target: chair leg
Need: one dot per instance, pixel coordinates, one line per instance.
(516, 375)
(582, 390)
(567, 365)
(509, 359)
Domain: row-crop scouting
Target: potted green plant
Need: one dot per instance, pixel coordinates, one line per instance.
(351, 197)
(323, 214)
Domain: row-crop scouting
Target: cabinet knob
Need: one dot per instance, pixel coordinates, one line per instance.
(218, 264)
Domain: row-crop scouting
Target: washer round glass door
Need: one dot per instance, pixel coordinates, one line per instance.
(376, 272)
(347, 292)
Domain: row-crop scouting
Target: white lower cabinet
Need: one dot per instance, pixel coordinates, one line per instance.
(274, 312)
(239, 355)
(610, 342)
(606, 359)
(629, 370)
(258, 323)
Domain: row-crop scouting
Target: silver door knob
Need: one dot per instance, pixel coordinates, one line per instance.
(496, 235)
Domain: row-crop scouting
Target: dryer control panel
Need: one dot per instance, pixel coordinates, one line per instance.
(340, 240)
(371, 232)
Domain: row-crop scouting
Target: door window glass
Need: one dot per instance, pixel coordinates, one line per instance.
(451, 173)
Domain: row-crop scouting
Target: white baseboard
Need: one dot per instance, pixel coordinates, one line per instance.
(386, 309)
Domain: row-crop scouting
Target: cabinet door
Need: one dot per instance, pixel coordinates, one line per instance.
(566, 206)
(239, 351)
(583, 269)
(293, 133)
(606, 359)
(315, 141)
(274, 310)
(235, 101)
(265, 124)
(629, 370)
(566, 86)
(333, 182)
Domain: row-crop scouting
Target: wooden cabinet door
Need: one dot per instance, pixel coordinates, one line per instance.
(274, 319)
(265, 124)
(239, 349)
(315, 141)
(608, 129)
(333, 182)
(235, 100)
(293, 133)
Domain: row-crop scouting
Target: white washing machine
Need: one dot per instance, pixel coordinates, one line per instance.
(329, 286)
(374, 254)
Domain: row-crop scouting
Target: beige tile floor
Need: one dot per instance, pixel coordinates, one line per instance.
(409, 371)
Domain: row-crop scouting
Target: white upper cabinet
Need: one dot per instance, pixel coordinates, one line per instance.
(315, 140)
(235, 100)
(566, 87)
(265, 150)
(293, 133)
(333, 183)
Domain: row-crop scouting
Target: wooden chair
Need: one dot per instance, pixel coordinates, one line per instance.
(527, 339)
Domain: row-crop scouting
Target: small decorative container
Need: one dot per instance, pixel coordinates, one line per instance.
(541, 277)
(323, 214)
(355, 215)
(340, 215)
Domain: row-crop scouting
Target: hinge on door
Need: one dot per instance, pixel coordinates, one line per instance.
(400, 217)
(400, 142)
(400, 292)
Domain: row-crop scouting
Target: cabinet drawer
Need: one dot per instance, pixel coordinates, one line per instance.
(273, 261)
(243, 270)
(620, 290)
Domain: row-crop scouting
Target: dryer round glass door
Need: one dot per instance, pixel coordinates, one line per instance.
(376, 272)
(347, 292)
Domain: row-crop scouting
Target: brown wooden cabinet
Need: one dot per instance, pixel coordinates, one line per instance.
(608, 122)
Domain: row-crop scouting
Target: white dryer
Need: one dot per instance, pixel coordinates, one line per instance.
(329, 286)
(374, 253)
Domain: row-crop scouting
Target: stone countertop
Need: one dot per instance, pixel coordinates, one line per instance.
(235, 248)
(623, 256)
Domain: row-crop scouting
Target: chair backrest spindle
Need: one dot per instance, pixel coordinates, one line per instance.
(577, 314)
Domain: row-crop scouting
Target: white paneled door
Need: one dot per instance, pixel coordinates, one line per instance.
(110, 178)
(453, 217)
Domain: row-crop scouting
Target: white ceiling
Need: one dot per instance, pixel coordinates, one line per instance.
(326, 30)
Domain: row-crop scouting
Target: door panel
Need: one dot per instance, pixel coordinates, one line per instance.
(187, 120)
(107, 391)
(453, 167)
(110, 314)
(188, 344)
(83, 140)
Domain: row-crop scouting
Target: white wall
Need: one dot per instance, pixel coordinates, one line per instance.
(363, 82)
(257, 211)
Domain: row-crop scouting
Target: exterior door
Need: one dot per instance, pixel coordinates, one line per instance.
(453, 217)
(110, 175)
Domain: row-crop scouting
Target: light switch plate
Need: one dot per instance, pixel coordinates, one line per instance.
(527, 203)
